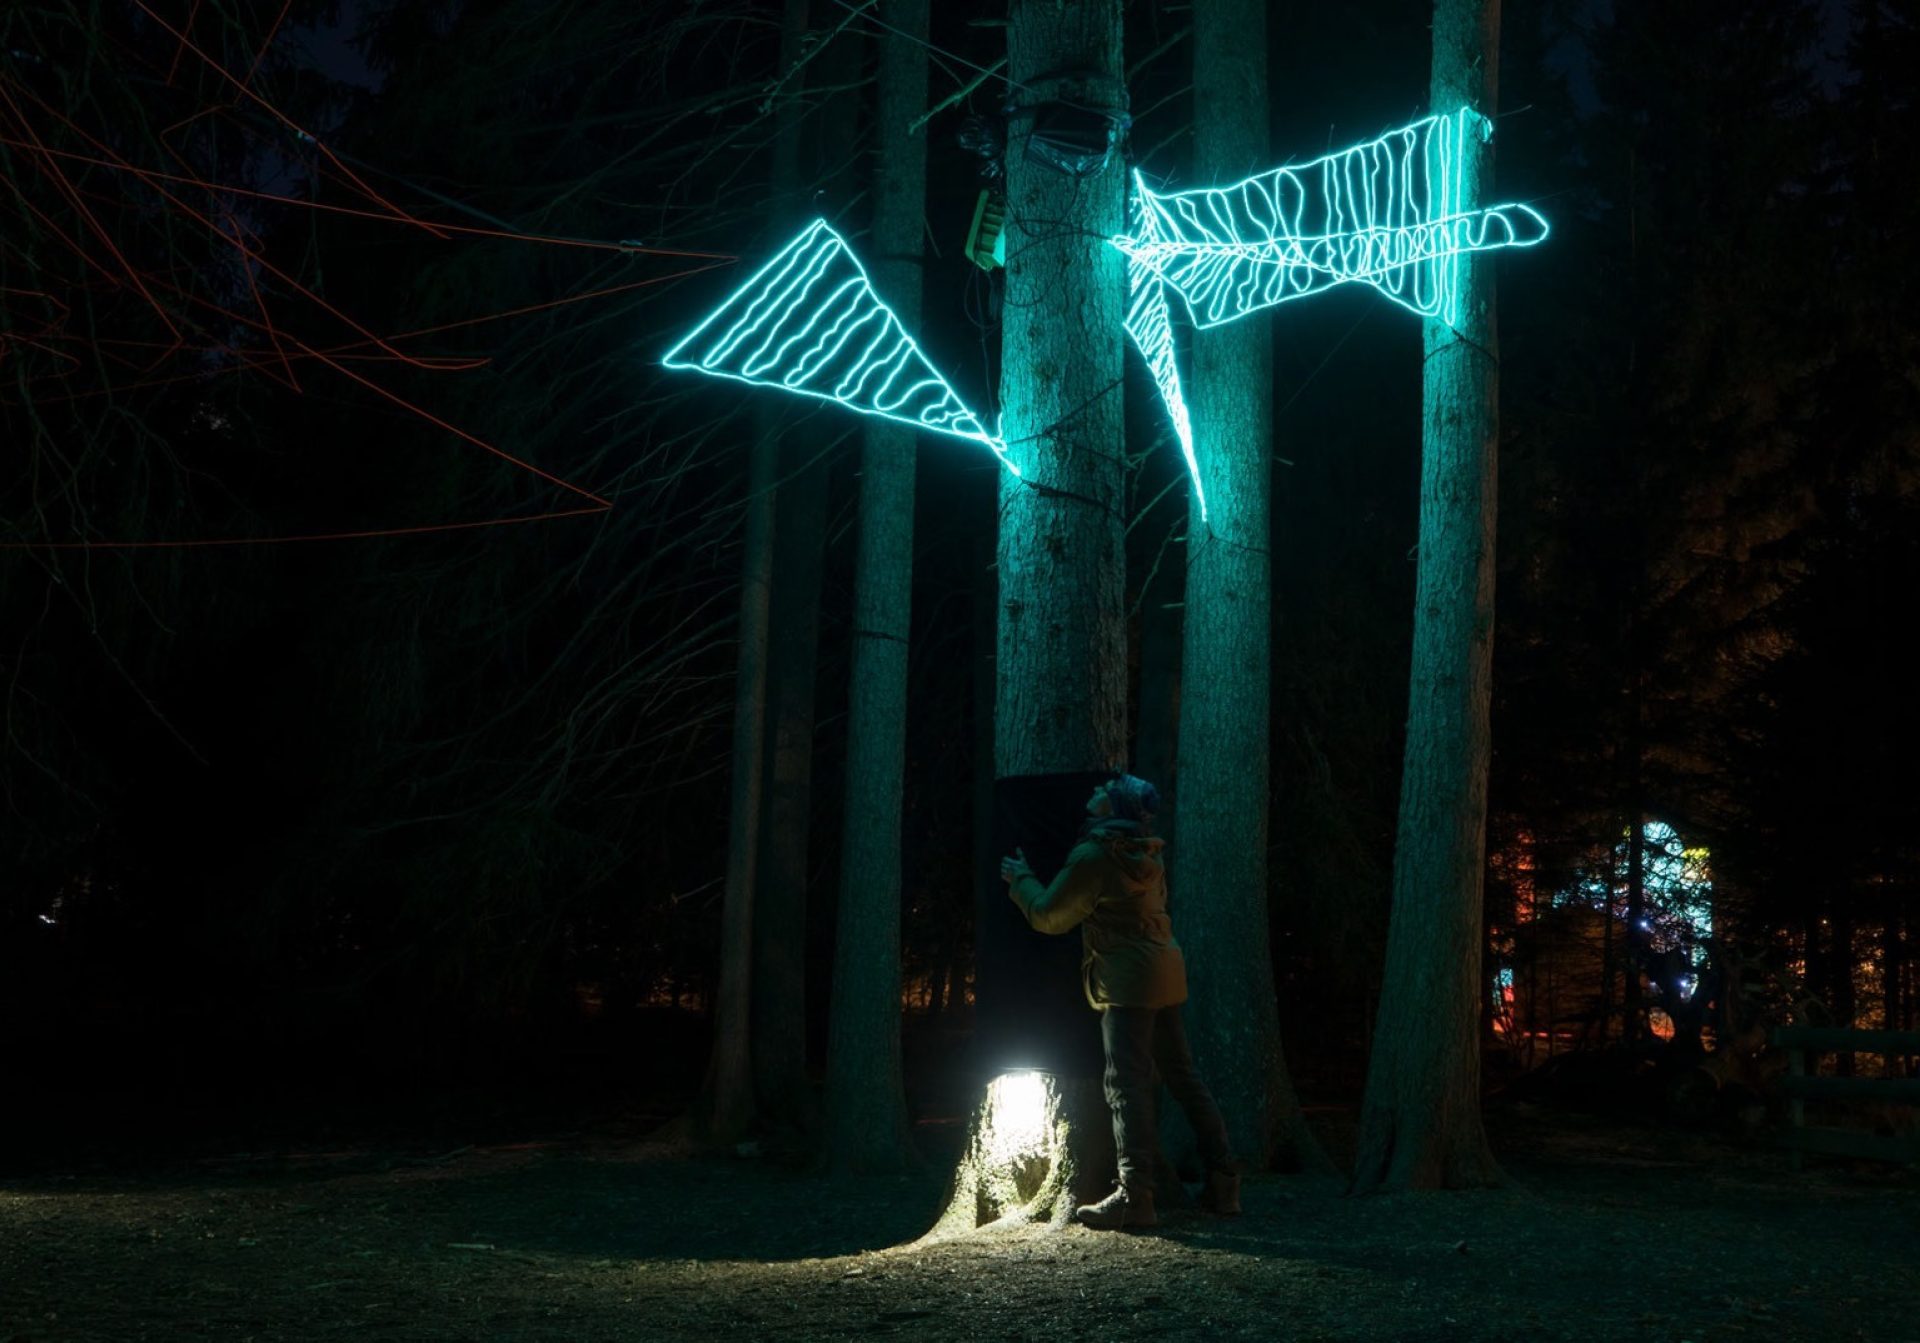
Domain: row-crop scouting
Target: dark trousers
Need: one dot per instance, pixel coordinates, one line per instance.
(1139, 1040)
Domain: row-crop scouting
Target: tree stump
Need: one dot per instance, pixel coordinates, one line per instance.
(1038, 1146)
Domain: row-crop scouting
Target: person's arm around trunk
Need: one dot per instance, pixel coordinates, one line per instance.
(1060, 907)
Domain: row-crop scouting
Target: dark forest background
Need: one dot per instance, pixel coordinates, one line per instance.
(331, 818)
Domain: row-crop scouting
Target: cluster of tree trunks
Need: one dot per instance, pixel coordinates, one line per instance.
(1059, 687)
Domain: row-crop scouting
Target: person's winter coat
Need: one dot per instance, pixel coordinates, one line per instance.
(1113, 887)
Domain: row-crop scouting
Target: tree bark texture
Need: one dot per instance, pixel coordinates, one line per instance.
(785, 1097)
(1061, 700)
(1219, 869)
(1420, 1123)
(780, 905)
(985, 615)
(1037, 1162)
(1156, 738)
(1060, 685)
(1028, 1167)
(725, 1107)
(866, 1099)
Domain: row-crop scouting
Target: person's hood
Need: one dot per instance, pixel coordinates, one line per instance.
(1129, 842)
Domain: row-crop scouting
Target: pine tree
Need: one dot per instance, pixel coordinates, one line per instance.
(1060, 693)
(1061, 701)
(1219, 868)
(866, 1103)
(1420, 1124)
(801, 524)
(727, 1104)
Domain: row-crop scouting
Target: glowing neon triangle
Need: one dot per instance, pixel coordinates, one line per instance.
(809, 322)
(1386, 214)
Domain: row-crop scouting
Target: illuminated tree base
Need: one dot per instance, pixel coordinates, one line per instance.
(1027, 1157)
(1037, 1148)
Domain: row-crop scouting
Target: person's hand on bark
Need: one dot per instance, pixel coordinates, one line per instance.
(1015, 867)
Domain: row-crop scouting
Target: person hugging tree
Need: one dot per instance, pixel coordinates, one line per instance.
(1113, 887)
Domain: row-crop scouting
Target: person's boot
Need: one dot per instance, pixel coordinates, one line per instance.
(1123, 1207)
(1221, 1197)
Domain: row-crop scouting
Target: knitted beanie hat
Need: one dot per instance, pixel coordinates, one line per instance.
(1133, 798)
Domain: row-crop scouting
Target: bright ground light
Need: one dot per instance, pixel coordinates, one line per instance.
(1017, 1115)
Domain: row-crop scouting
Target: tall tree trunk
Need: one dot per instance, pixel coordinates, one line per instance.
(1606, 967)
(1219, 870)
(866, 1100)
(1813, 960)
(1156, 736)
(1420, 1123)
(1909, 988)
(725, 1106)
(1634, 940)
(799, 555)
(986, 609)
(1060, 693)
(1892, 966)
(780, 905)
(1844, 957)
(1061, 702)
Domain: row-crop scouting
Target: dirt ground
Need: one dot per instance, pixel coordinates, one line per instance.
(1607, 1233)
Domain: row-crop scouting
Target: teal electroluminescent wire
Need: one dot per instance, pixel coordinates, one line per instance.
(1389, 213)
(1150, 325)
(810, 322)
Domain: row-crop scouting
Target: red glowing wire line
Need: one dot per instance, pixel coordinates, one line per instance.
(165, 131)
(54, 229)
(271, 34)
(431, 418)
(245, 363)
(334, 357)
(469, 229)
(211, 227)
(433, 363)
(144, 384)
(402, 402)
(430, 363)
(439, 363)
(601, 504)
(374, 387)
(265, 317)
(289, 123)
(310, 536)
(192, 13)
(17, 339)
(541, 307)
(67, 189)
(140, 386)
(36, 293)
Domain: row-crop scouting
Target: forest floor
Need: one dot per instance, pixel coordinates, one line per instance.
(1607, 1232)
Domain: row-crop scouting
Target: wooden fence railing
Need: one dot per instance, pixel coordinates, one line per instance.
(1804, 1045)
